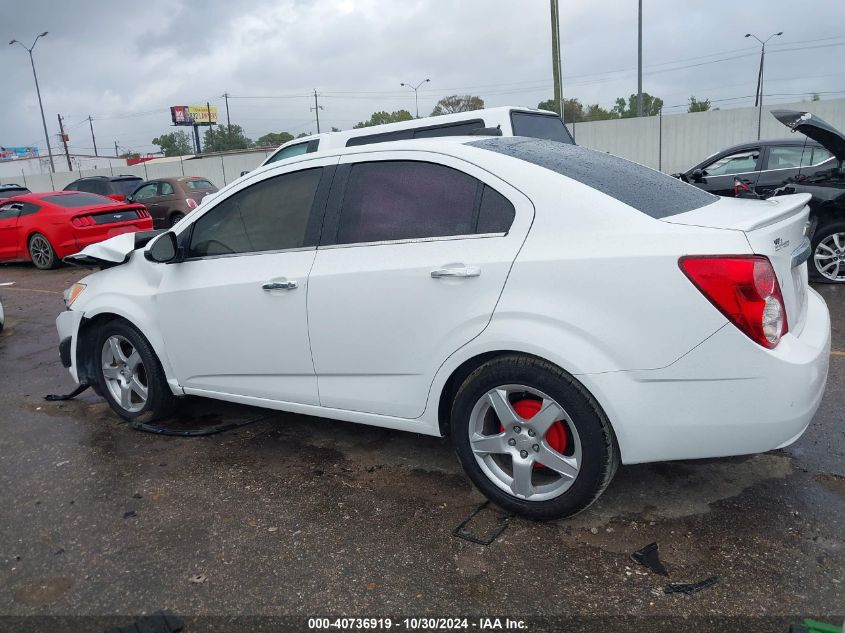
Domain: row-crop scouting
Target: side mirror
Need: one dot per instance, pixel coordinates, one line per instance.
(130, 198)
(164, 249)
(697, 175)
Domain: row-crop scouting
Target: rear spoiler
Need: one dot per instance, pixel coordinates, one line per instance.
(112, 252)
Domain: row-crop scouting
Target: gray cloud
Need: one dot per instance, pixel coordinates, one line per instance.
(125, 64)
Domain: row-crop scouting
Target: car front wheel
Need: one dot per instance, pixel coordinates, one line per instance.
(531, 438)
(41, 252)
(175, 218)
(828, 261)
(129, 375)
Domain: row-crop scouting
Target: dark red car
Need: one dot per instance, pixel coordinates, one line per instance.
(45, 227)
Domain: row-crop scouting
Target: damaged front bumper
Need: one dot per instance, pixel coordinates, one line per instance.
(67, 325)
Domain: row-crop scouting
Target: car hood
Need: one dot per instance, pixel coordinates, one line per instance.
(815, 128)
(113, 251)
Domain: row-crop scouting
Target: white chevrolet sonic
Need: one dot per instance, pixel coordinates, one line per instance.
(555, 310)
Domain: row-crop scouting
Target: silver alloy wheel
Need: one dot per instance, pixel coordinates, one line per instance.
(508, 457)
(40, 251)
(124, 373)
(830, 257)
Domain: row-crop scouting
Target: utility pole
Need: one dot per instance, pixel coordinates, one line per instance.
(210, 129)
(115, 149)
(38, 92)
(640, 61)
(556, 66)
(758, 100)
(64, 142)
(317, 107)
(228, 120)
(93, 140)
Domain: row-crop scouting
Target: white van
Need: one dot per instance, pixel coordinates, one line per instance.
(511, 121)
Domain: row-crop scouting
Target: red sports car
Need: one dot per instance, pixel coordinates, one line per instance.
(45, 227)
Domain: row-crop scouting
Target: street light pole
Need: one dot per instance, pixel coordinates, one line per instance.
(416, 95)
(759, 96)
(38, 92)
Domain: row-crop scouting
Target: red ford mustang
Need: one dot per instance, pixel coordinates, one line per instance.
(45, 227)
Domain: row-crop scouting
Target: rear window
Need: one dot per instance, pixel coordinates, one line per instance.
(8, 192)
(126, 186)
(648, 191)
(546, 126)
(459, 128)
(198, 184)
(79, 199)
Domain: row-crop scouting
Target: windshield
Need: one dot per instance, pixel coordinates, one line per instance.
(545, 126)
(80, 199)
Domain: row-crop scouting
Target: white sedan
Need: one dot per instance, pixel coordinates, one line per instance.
(555, 310)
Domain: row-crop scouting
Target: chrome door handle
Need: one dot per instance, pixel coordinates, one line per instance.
(280, 285)
(467, 271)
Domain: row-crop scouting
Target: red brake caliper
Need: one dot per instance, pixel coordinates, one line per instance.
(555, 436)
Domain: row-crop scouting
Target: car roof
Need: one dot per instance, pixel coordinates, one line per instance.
(483, 113)
(110, 178)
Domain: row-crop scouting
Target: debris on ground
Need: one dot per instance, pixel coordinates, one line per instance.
(129, 514)
(483, 526)
(690, 587)
(648, 557)
(197, 579)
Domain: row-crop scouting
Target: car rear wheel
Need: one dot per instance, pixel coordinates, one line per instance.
(41, 252)
(129, 375)
(828, 261)
(175, 218)
(531, 438)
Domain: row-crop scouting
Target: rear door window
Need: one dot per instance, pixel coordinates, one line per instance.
(400, 200)
(784, 157)
(496, 213)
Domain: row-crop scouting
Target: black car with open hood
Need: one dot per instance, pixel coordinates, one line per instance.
(827, 188)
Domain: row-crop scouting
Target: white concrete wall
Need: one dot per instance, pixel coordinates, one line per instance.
(220, 170)
(690, 137)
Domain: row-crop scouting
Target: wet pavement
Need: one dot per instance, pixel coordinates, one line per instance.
(296, 515)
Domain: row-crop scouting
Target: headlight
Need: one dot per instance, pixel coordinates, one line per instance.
(72, 293)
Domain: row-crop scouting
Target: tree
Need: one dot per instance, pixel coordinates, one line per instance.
(380, 118)
(696, 105)
(457, 103)
(651, 106)
(303, 134)
(223, 139)
(815, 97)
(573, 109)
(274, 139)
(596, 113)
(130, 154)
(174, 143)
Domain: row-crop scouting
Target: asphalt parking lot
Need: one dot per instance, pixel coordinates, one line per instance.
(294, 515)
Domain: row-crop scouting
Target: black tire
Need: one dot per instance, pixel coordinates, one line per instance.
(41, 252)
(160, 401)
(599, 452)
(822, 233)
(175, 217)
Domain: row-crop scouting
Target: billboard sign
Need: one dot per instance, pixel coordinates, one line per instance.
(193, 115)
(14, 153)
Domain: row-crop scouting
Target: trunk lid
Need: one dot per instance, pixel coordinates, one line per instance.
(774, 228)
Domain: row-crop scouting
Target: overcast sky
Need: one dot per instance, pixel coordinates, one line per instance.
(126, 63)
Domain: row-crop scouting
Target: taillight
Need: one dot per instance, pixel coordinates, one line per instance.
(744, 289)
(82, 220)
(192, 204)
